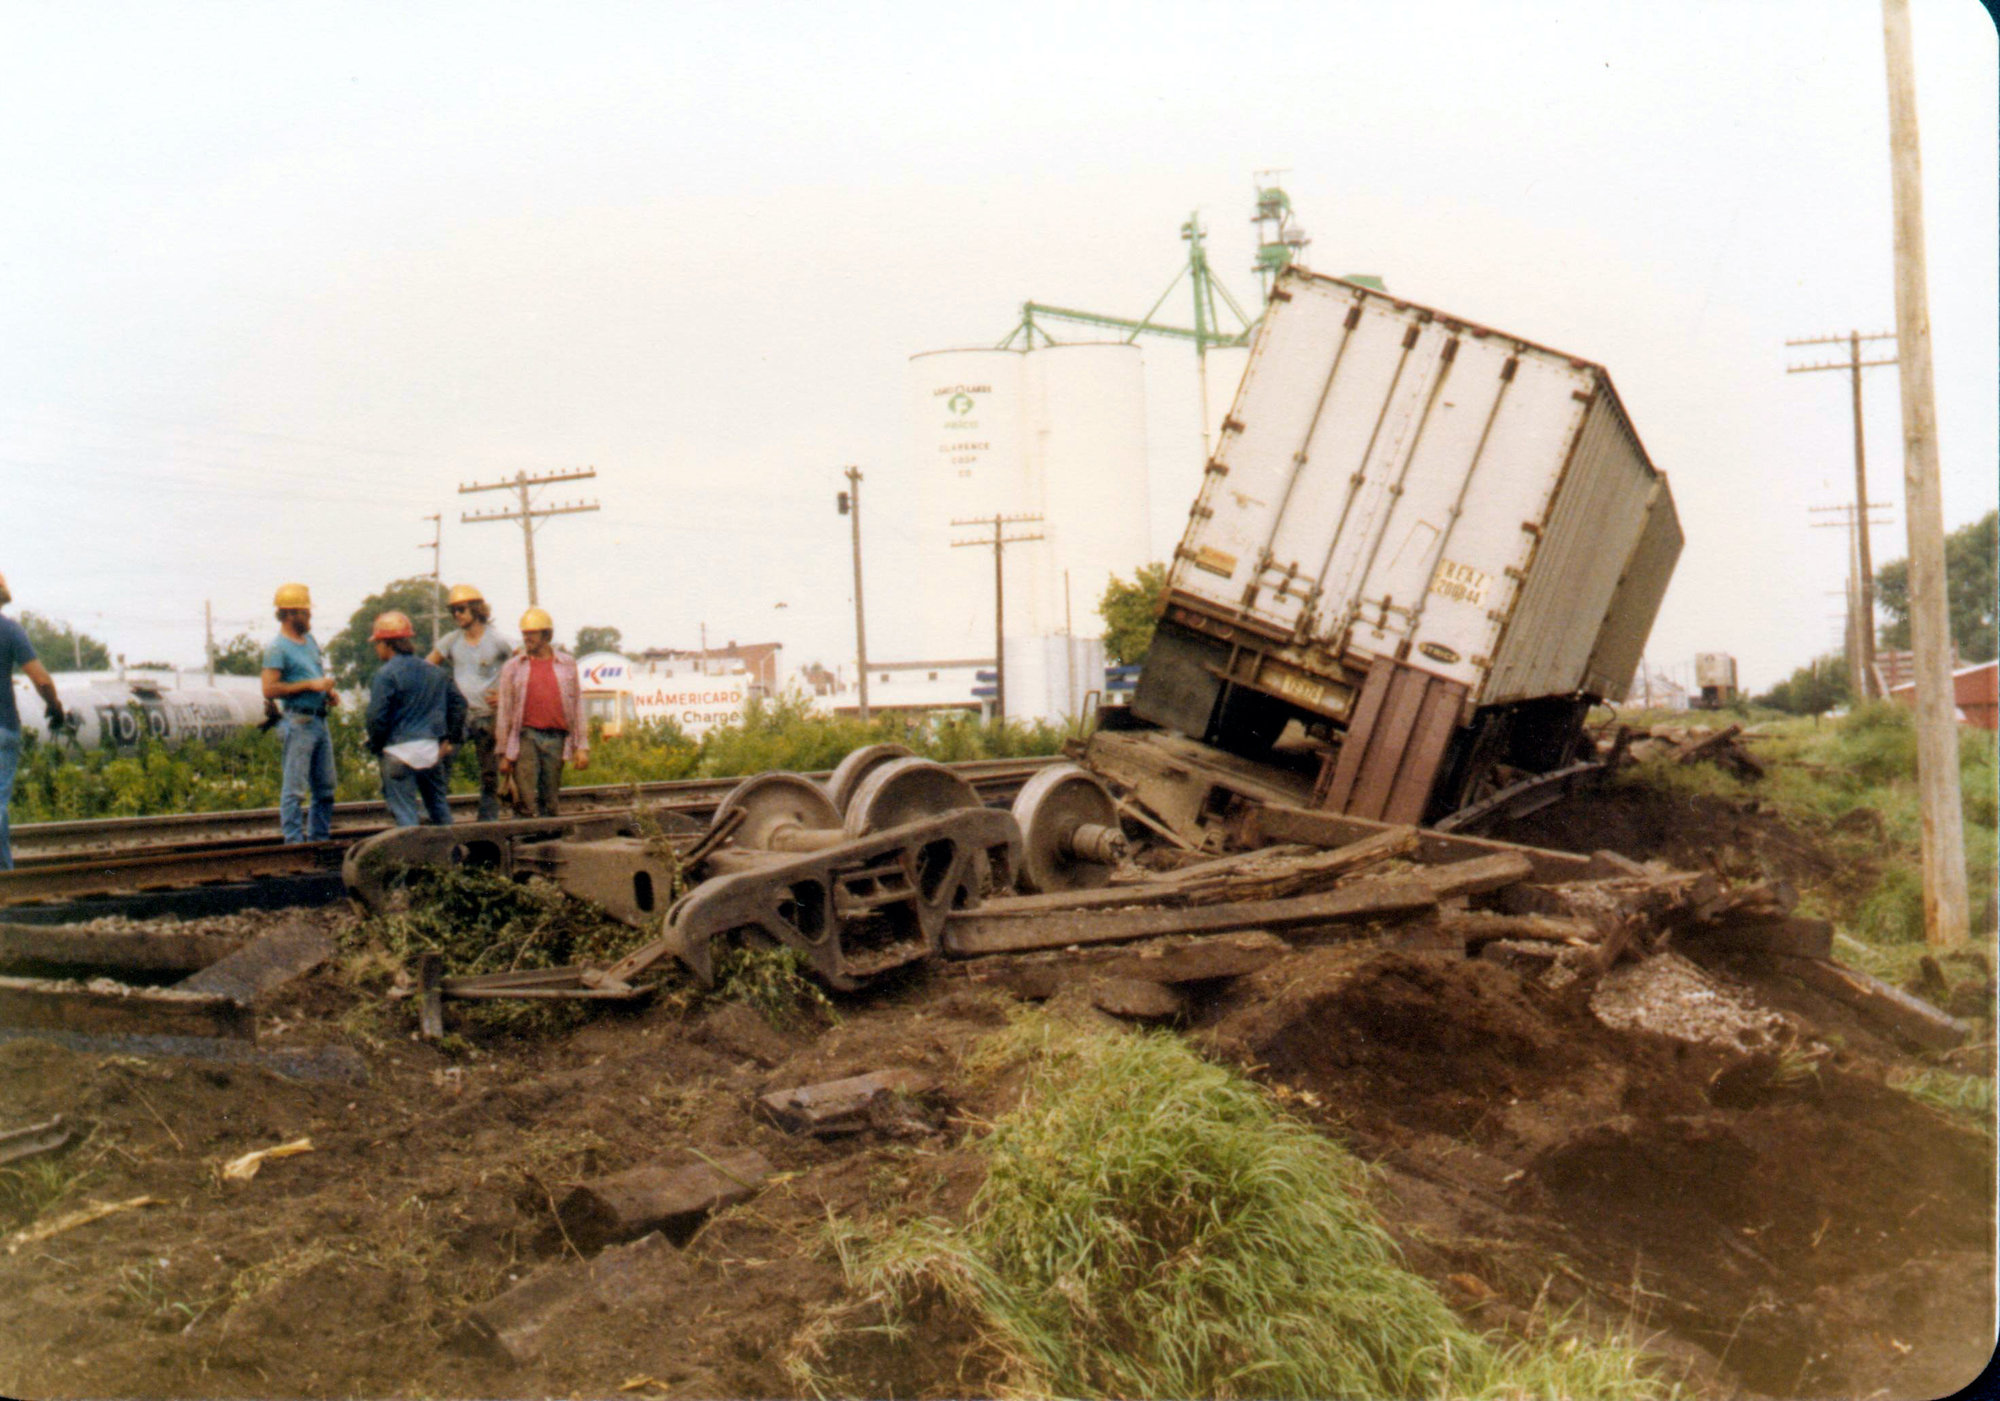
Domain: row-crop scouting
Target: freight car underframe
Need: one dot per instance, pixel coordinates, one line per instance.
(1401, 744)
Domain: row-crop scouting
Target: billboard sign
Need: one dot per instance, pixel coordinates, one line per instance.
(695, 703)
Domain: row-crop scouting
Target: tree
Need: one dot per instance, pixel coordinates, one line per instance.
(1813, 689)
(63, 648)
(590, 640)
(1129, 609)
(352, 655)
(242, 655)
(1970, 584)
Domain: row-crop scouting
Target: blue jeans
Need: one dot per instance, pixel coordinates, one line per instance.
(416, 796)
(308, 776)
(10, 760)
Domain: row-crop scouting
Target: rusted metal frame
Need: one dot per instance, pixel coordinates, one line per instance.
(1447, 357)
(1389, 757)
(1352, 320)
(1508, 372)
(767, 901)
(1520, 799)
(372, 868)
(1360, 474)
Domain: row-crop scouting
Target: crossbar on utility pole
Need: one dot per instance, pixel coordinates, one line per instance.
(1866, 572)
(528, 514)
(1945, 913)
(1000, 541)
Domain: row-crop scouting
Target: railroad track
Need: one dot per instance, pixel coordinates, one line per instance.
(61, 861)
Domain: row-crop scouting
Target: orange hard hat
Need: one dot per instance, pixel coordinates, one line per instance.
(391, 624)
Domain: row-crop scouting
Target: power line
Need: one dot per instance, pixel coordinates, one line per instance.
(528, 514)
(1864, 573)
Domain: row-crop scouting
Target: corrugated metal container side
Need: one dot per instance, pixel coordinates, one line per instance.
(1598, 512)
(1629, 620)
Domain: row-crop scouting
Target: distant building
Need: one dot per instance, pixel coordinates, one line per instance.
(1975, 693)
(910, 687)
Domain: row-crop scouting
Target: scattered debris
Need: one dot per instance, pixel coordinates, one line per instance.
(839, 1106)
(658, 1197)
(70, 1220)
(32, 1140)
(515, 1327)
(243, 1168)
(266, 962)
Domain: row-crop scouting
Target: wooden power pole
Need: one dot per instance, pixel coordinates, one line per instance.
(528, 514)
(1000, 541)
(850, 505)
(436, 546)
(1864, 636)
(1945, 913)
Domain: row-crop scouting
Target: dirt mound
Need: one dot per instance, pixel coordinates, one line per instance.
(1692, 831)
(1730, 1197)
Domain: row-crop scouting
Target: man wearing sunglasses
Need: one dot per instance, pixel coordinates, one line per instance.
(475, 652)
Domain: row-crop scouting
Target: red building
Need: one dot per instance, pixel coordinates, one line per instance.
(1975, 691)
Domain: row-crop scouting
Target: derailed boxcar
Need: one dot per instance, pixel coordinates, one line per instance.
(1433, 542)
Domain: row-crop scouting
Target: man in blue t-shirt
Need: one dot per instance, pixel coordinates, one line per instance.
(16, 650)
(295, 677)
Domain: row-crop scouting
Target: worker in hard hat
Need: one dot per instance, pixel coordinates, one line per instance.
(475, 651)
(538, 721)
(295, 677)
(416, 717)
(17, 651)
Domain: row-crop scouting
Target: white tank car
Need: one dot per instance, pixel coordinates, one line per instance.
(113, 714)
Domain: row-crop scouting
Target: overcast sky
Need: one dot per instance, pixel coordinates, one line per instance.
(278, 279)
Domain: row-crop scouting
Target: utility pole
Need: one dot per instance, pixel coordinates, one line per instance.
(1945, 915)
(1860, 644)
(208, 632)
(850, 506)
(1000, 541)
(526, 514)
(1865, 572)
(436, 546)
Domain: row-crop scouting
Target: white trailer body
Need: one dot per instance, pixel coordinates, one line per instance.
(1393, 483)
(1717, 669)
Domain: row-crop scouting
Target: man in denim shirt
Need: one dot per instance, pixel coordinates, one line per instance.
(295, 677)
(416, 717)
(16, 650)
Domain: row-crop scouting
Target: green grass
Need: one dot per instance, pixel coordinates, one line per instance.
(1153, 1225)
(1968, 1098)
(1851, 783)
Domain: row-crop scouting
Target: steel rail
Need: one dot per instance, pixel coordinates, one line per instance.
(31, 840)
(132, 865)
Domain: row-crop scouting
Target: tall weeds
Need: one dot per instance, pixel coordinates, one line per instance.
(1150, 1225)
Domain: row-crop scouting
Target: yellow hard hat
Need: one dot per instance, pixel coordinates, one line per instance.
(391, 624)
(464, 593)
(536, 620)
(293, 596)
(5, 596)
